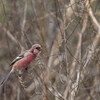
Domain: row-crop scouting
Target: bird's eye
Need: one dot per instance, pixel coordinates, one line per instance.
(38, 48)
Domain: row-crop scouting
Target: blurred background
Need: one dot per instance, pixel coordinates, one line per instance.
(68, 67)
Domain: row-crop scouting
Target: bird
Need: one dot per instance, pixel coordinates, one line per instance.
(23, 60)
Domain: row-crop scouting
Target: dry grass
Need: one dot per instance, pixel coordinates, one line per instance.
(68, 67)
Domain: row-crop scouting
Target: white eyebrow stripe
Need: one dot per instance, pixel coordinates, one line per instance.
(18, 57)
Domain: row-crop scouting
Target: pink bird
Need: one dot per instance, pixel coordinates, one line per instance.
(23, 60)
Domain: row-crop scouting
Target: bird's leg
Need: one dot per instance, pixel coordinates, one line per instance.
(19, 75)
(26, 68)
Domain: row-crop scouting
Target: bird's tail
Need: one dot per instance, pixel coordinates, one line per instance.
(6, 77)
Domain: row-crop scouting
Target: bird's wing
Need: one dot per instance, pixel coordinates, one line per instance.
(18, 58)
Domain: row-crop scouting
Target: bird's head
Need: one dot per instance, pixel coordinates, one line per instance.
(36, 48)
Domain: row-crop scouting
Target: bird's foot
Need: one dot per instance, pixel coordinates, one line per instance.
(26, 68)
(19, 75)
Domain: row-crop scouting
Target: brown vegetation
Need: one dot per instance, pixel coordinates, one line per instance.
(69, 33)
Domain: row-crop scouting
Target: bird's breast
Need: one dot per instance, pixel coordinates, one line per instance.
(24, 62)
